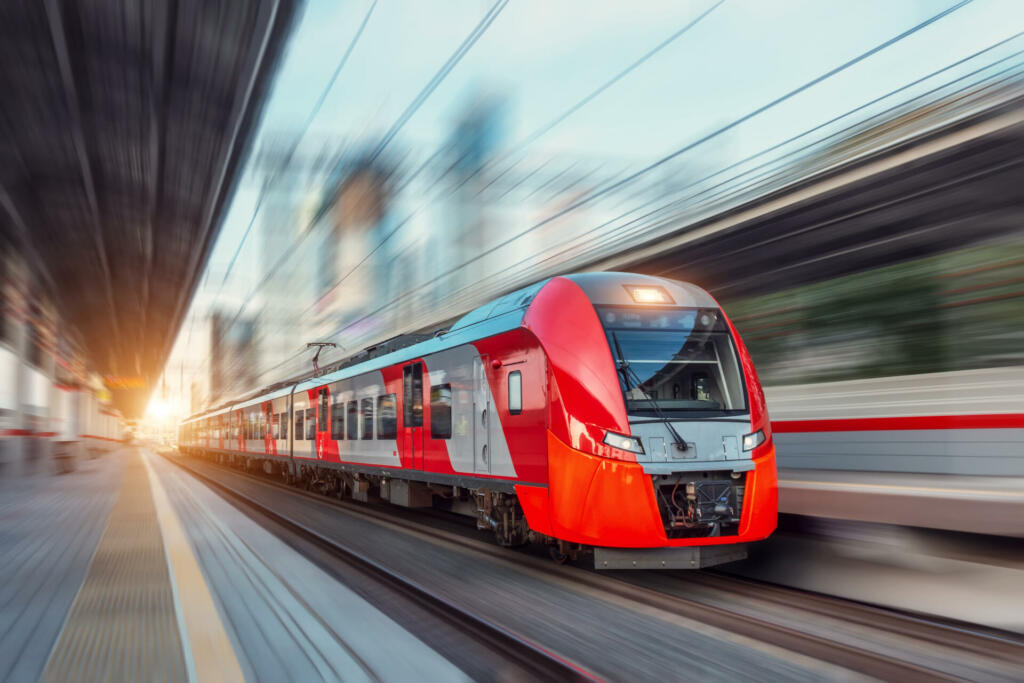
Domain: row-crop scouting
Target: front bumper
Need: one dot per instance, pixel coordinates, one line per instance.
(610, 503)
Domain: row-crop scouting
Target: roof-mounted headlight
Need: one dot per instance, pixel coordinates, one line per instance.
(625, 443)
(649, 294)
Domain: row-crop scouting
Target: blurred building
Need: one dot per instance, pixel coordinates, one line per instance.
(354, 273)
(234, 357)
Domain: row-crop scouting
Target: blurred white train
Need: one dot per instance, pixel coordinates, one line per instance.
(968, 422)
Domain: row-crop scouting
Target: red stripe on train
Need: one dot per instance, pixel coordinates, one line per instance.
(869, 424)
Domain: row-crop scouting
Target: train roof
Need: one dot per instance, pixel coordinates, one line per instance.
(500, 315)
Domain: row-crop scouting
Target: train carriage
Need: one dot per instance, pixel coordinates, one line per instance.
(610, 413)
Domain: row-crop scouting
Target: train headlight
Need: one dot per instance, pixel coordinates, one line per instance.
(752, 441)
(625, 443)
(647, 294)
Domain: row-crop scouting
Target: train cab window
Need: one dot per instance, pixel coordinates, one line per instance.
(441, 411)
(338, 421)
(675, 362)
(353, 420)
(310, 424)
(387, 416)
(515, 392)
(367, 419)
(300, 420)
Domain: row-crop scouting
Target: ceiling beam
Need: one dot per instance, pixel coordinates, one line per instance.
(60, 47)
(278, 25)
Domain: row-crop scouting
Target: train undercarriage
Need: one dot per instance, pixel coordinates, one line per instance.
(697, 504)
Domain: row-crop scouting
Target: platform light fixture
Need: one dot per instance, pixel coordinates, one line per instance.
(649, 294)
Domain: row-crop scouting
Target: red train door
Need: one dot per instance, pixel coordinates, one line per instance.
(323, 423)
(268, 444)
(412, 414)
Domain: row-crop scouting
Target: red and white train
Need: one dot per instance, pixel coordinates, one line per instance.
(605, 412)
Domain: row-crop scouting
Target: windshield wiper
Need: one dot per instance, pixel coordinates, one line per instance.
(626, 370)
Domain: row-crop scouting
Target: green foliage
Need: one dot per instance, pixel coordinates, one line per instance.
(956, 311)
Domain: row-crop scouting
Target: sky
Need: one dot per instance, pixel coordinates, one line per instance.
(539, 58)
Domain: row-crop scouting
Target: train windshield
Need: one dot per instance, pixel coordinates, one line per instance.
(674, 362)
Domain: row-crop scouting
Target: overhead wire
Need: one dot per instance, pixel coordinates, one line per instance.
(539, 132)
(661, 161)
(295, 144)
(590, 249)
(604, 190)
(460, 52)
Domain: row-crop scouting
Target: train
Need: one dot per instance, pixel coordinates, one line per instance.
(611, 415)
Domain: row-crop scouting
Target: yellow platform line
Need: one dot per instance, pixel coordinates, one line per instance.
(211, 654)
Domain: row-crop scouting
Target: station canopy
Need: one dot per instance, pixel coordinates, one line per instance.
(123, 130)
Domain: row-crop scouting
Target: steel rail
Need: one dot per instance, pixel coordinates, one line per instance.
(1005, 647)
(538, 662)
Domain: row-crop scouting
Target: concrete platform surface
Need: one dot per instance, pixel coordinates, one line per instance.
(129, 569)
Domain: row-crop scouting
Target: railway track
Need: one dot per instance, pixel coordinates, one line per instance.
(1006, 648)
(522, 655)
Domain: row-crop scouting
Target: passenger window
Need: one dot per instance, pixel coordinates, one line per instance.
(367, 405)
(441, 411)
(284, 426)
(310, 424)
(387, 417)
(299, 421)
(353, 421)
(515, 392)
(338, 421)
(275, 427)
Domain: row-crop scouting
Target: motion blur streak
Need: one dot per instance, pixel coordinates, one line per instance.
(195, 195)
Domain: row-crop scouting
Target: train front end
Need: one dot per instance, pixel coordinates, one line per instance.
(660, 450)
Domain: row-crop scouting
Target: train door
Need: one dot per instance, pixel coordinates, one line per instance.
(323, 423)
(269, 445)
(412, 414)
(482, 417)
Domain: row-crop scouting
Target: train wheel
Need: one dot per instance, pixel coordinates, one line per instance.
(555, 551)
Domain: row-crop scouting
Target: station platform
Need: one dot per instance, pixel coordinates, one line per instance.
(975, 504)
(127, 568)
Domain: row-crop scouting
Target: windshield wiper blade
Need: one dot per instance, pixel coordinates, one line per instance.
(626, 370)
(622, 364)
